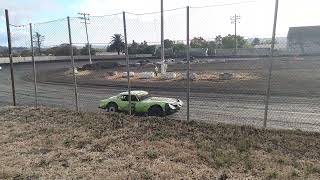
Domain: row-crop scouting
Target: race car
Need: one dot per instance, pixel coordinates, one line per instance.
(141, 103)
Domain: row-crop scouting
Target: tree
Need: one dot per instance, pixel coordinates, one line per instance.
(168, 43)
(255, 41)
(116, 43)
(212, 45)
(26, 53)
(62, 50)
(218, 41)
(85, 50)
(228, 41)
(38, 39)
(179, 46)
(142, 48)
(198, 42)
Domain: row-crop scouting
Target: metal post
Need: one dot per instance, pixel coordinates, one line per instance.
(73, 67)
(127, 60)
(188, 70)
(10, 57)
(33, 68)
(271, 64)
(162, 41)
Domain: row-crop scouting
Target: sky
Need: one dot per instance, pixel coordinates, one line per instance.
(208, 22)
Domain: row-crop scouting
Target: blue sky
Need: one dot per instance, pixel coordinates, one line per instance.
(256, 18)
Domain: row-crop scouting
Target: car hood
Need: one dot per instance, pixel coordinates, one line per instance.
(164, 100)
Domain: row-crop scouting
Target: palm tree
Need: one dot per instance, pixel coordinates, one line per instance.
(116, 43)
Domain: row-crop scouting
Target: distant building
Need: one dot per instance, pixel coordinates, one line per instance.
(304, 40)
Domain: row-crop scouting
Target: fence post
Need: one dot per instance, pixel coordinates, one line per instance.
(188, 70)
(33, 68)
(73, 67)
(270, 65)
(127, 60)
(10, 57)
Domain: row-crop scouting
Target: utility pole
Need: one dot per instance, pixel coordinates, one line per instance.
(163, 65)
(234, 20)
(85, 18)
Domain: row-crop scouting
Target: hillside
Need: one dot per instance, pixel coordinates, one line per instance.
(53, 143)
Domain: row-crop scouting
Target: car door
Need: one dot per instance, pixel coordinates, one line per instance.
(124, 105)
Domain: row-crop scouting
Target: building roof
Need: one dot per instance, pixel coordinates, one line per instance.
(136, 93)
(304, 34)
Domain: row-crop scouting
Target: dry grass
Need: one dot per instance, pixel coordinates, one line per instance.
(51, 143)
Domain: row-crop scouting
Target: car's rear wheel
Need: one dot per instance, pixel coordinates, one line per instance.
(155, 111)
(112, 107)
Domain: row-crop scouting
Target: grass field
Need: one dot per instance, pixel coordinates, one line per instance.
(53, 143)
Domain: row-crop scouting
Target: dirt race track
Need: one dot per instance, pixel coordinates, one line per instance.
(294, 102)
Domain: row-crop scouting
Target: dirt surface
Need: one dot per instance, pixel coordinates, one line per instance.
(59, 144)
(290, 77)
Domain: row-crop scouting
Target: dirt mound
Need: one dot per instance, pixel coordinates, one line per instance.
(62, 144)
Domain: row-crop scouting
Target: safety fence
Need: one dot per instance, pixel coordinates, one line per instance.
(266, 81)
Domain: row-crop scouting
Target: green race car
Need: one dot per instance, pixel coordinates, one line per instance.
(141, 103)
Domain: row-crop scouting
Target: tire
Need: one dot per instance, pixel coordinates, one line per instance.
(112, 107)
(156, 111)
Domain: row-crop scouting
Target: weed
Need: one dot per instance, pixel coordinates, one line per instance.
(312, 169)
(67, 141)
(223, 176)
(50, 130)
(152, 153)
(159, 134)
(294, 173)
(272, 175)
(247, 163)
(244, 145)
(146, 174)
(222, 158)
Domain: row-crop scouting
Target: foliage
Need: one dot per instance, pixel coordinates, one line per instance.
(117, 44)
(178, 46)
(198, 42)
(218, 41)
(62, 50)
(142, 48)
(26, 53)
(256, 41)
(168, 43)
(85, 50)
(229, 41)
(38, 39)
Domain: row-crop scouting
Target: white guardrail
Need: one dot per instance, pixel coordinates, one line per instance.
(5, 60)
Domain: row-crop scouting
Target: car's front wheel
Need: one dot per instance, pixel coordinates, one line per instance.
(155, 111)
(112, 107)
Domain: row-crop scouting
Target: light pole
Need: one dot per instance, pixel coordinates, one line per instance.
(234, 20)
(85, 18)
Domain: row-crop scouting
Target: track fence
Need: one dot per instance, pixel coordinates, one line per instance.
(86, 61)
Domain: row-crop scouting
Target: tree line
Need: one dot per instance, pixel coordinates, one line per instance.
(117, 45)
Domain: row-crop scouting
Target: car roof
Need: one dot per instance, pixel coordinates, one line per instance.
(136, 93)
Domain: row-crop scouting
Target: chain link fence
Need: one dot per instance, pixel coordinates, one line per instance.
(228, 70)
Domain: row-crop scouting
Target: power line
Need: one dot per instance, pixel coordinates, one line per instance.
(219, 5)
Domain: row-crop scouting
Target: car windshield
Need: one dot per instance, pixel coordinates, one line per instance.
(143, 97)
